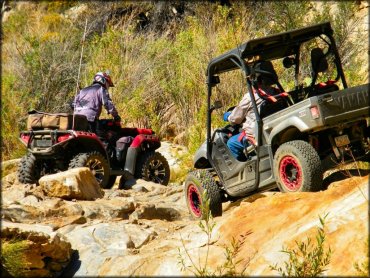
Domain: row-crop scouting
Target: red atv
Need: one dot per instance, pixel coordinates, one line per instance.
(57, 142)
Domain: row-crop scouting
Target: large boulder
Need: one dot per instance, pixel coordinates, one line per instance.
(77, 183)
(267, 225)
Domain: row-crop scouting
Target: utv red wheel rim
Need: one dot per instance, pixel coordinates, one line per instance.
(194, 200)
(291, 173)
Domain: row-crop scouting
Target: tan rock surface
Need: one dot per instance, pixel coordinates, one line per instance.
(268, 224)
(77, 183)
(143, 232)
(47, 253)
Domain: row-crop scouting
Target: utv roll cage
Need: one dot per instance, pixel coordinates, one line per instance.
(267, 48)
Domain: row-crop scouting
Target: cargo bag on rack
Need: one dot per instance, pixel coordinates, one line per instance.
(61, 121)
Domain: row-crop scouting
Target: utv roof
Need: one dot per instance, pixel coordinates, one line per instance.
(268, 48)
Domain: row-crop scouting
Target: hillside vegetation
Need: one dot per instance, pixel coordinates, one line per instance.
(157, 53)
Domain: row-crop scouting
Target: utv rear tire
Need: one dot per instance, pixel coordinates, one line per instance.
(28, 170)
(195, 185)
(297, 167)
(97, 163)
(152, 166)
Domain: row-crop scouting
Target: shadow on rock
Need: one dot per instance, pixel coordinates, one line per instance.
(74, 265)
(343, 174)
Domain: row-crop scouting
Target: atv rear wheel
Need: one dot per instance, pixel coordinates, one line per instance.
(297, 167)
(152, 166)
(97, 163)
(28, 170)
(195, 185)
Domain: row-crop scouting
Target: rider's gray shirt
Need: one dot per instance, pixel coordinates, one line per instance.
(90, 100)
(244, 110)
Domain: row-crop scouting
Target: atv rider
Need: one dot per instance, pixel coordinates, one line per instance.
(89, 101)
(244, 112)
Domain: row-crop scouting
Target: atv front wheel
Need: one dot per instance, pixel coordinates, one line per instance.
(98, 165)
(195, 185)
(297, 167)
(152, 166)
(28, 170)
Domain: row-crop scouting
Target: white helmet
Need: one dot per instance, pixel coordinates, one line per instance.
(104, 79)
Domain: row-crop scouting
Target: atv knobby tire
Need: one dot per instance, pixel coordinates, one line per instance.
(98, 165)
(195, 184)
(111, 182)
(297, 167)
(28, 170)
(152, 166)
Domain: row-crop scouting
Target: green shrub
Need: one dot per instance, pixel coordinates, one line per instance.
(307, 259)
(229, 266)
(153, 69)
(12, 256)
(362, 268)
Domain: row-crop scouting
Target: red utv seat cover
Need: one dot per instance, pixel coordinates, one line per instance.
(324, 84)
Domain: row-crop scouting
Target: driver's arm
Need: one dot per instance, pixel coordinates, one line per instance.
(239, 113)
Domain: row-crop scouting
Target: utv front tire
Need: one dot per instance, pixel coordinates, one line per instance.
(297, 167)
(98, 165)
(152, 166)
(28, 170)
(195, 185)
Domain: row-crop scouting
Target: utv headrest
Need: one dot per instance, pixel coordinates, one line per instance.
(318, 60)
(268, 78)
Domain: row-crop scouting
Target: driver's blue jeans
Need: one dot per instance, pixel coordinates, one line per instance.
(236, 147)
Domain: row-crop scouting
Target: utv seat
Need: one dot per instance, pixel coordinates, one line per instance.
(274, 99)
(267, 108)
(319, 64)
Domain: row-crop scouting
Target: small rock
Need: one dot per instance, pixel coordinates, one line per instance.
(29, 200)
(149, 211)
(139, 188)
(138, 235)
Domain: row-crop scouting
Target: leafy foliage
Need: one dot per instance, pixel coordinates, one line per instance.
(229, 267)
(307, 259)
(157, 68)
(362, 267)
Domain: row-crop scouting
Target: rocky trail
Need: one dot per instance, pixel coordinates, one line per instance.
(146, 229)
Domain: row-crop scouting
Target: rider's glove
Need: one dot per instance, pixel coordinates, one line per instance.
(226, 116)
(117, 118)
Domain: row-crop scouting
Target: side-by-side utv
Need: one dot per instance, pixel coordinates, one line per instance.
(300, 132)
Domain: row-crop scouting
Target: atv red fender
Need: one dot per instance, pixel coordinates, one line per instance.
(152, 140)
